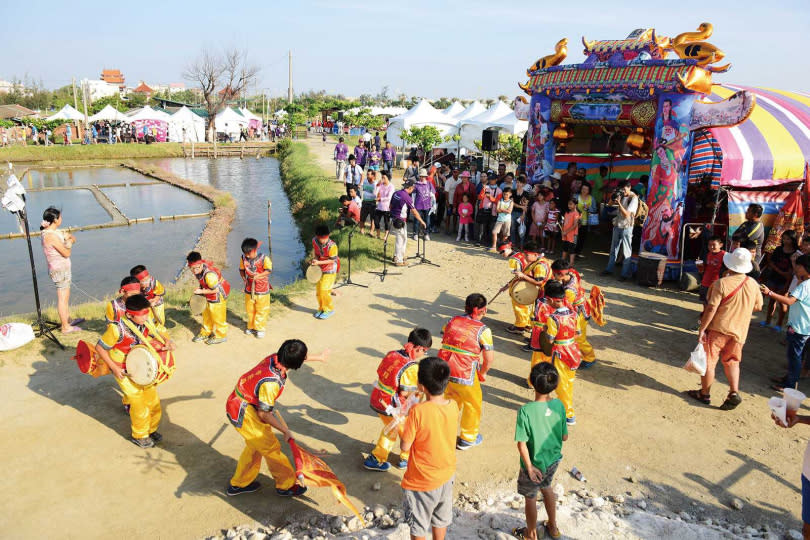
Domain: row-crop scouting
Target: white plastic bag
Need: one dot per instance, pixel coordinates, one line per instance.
(521, 228)
(14, 335)
(697, 361)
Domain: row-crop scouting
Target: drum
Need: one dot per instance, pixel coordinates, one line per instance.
(144, 369)
(651, 268)
(197, 304)
(524, 293)
(88, 362)
(314, 273)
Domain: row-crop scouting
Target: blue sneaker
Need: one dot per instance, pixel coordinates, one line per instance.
(462, 445)
(571, 421)
(296, 491)
(318, 314)
(372, 464)
(327, 314)
(586, 365)
(403, 464)
(233, 491)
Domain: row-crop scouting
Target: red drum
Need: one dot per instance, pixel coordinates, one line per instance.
(88, 361)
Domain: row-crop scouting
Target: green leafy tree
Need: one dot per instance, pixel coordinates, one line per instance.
(363, 118)
(442, 103)
(510, 149)
(425, 137)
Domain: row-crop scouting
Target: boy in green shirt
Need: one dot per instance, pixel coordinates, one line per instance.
(539, 432)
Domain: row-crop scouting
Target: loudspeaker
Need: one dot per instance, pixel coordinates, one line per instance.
(340, 116)
(489, 140)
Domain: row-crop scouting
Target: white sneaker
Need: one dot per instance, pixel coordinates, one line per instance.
(427, 237)
(259, 334)
(249, 332)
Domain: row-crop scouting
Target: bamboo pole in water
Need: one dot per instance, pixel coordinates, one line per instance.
(184, 216)
(269, 222)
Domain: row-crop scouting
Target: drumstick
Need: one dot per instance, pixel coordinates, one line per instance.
(502, 289)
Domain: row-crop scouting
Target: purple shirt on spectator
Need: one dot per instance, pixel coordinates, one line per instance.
(388, 154)
(374, 158)
(401, 201)
(360, 154)
(422, 192)
(341, 152)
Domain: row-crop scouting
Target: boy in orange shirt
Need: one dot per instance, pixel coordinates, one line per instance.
(430, 438)
(570, 230)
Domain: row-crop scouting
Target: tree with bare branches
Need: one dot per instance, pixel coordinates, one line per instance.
(221, 77)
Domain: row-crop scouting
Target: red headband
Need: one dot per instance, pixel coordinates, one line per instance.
(478, 311)
(131, 287)
(143, 275)
(138, 312)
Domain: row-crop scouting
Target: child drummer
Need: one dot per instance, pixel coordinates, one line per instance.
(396, 384)
(325, 252)
(537, 274)
(135, 328)
(153, 290)
(255, 268)
(115, 308)
(215, 289)
(577, 299)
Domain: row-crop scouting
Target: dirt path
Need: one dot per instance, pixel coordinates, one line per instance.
(70, 471)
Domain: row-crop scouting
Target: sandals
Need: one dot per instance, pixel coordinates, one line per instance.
(71, 330)
(548, 531)
(521, 533)
(700, 396)
(516, 329)
(731, 402)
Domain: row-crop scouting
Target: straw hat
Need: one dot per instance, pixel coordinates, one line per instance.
(738, 261)
(423, 172)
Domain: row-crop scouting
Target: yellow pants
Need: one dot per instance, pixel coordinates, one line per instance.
(585, 348)
(323, 291)
(565, 388)
(537, 357)
(387, 440)
(144, 407)
(214, 319)
(257, 307)
(261, 442)
(522, 314)
(468, 399)
(160, 314)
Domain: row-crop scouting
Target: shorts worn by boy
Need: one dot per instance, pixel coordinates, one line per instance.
(542, 426)
(428, 480)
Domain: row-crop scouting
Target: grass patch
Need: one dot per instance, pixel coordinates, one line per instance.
(314, 199)
(79, 152)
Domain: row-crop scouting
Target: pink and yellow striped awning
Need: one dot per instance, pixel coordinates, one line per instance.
(772, 146)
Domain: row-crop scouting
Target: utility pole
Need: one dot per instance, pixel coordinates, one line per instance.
(290, 87)
(75, 101)
(84, 102)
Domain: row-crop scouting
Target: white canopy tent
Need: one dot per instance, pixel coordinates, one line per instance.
(66, 113)
(511, 125)
(473, 109)
(193, 124)
(471, 128)
(421, 114)
(148, 113)
(454, 109)
(231, 122)
(379, 111)
(110, 114)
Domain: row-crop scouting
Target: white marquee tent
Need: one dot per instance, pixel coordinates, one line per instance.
(473, 109)
(193, 124)
(109, 113)
(421, 114)
(454, 110)
(66, 113)
(380, 111)
(511, 125)
(148, 113)
(231, 122)
(470, 129)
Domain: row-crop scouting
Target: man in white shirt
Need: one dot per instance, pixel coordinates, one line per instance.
(353, 176)
(627, 204)
(450, 191)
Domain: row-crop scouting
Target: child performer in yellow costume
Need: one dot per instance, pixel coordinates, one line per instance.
(576, 297)
(255, 268)
(216, 289)
(396, 385)
(467, 347)
(325, 252)
(250, 409)
(529, 266)
(153, 290)
(115, 308)
(135, 328)
(559, 341)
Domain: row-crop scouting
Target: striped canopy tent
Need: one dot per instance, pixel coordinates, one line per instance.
(769, 149)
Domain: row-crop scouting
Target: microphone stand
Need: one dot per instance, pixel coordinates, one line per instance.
(421, 257)
(348, 280)
(385, 271)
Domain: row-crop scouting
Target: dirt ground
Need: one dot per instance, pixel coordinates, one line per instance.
(71, 471)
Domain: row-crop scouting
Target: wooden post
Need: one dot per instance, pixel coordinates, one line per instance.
(242, 152)
(269, 222)
(192, 149)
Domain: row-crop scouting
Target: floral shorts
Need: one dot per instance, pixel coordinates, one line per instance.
(61, 278)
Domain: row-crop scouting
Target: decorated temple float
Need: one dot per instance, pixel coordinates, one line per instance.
(647, 106)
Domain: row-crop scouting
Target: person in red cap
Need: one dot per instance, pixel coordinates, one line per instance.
(135, 328)
(153, 290)
(255, 268)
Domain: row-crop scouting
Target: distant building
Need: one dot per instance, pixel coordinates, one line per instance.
(14, 111)
(143, 89)
(112, 76)
(6, 87)
(98, 89)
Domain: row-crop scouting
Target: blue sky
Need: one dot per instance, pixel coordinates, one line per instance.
(428, 48)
